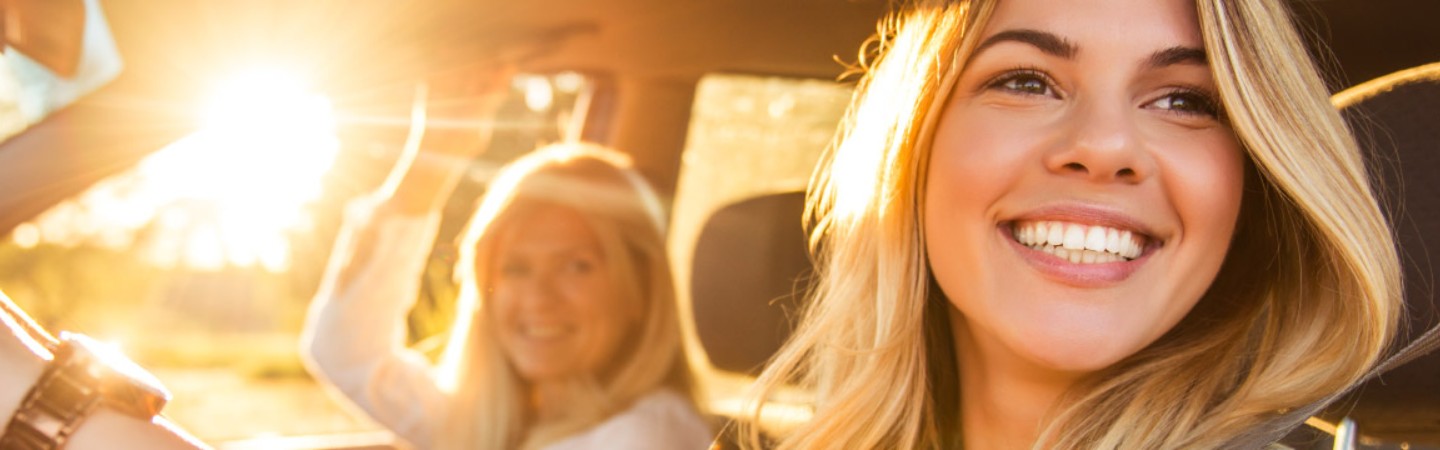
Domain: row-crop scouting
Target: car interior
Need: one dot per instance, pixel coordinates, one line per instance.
(725, 106)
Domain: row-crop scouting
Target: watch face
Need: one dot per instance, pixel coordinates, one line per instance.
(123, 383)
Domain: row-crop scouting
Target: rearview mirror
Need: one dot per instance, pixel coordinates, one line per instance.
(51, 32)
(56, 51)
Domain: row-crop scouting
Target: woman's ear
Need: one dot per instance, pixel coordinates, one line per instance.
(51, 32)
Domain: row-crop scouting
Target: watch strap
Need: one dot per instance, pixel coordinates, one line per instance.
(67, 392)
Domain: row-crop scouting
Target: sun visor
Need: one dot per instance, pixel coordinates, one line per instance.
(29, 91)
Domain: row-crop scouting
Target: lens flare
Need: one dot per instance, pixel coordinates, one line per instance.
(229, 194)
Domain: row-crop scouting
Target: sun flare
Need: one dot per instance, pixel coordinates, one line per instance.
(229, 194)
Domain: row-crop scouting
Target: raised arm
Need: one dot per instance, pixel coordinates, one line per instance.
(355, 333)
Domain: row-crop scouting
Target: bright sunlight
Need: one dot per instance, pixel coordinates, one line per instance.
(227, 195)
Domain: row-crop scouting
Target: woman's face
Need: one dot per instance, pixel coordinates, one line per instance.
(555, 306)
(1083, 187)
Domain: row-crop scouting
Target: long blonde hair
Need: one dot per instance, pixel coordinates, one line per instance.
(488, 407)
(1304, 305)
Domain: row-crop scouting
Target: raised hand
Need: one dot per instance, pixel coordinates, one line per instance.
(452, 118)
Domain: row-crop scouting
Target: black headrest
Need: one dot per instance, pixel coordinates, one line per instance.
(748, 278)
(1397, 120)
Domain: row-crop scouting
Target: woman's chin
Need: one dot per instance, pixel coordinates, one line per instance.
(1075, 353)
(1047, 350)
(1075, 359)
(534, 370)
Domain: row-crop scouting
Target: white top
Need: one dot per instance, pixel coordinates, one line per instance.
(661, 420)
(354, 339)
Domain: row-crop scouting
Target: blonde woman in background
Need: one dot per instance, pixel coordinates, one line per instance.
(567, 334)
(1082, 224)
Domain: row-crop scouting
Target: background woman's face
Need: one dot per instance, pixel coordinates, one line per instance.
(1083, 187)
(555, 306)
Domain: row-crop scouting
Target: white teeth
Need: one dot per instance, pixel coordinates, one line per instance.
(1055, 235)
(1095, 238)
(1080, 244)
(543, 332)
(1074, 237)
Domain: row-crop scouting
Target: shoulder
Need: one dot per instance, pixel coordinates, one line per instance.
(661, 420)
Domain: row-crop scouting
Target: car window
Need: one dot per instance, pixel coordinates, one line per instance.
(200, 261)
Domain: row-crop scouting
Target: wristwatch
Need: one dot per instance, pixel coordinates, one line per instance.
(83, 374)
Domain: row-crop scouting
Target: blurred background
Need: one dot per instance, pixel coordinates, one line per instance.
(198, 248)
(200, 261)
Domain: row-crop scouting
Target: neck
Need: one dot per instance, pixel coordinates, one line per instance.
(546, 401)
(1003, 399)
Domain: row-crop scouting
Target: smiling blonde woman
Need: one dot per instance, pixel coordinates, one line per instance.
(566, 334)
(1086, 224)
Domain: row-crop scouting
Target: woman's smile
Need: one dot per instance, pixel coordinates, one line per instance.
(1079, 243)
(544, 334)
(1081, 246)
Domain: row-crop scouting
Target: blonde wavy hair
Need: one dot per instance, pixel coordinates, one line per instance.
(1305, 304)
(625, 214)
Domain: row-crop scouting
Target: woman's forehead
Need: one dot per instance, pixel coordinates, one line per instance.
(544, 228)
(1088, 23)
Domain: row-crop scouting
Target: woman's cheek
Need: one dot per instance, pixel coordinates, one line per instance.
(1204, 177)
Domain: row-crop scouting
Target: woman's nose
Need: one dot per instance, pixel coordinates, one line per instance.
(540, 293)
(1101, 144)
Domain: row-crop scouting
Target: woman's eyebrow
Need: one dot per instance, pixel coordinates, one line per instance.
(1045, 41)
(1177, 55)
(571, 251)
(1055, 45)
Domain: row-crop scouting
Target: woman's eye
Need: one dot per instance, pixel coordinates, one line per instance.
(514, 270)
(1187, 102)
(1025, 82)
(580, 266)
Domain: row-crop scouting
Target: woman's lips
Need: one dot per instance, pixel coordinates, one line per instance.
(543, 333)
(1079, 254)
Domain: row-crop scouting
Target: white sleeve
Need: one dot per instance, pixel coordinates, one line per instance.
(354, 336)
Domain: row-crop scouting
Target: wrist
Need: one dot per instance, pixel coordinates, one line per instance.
(408, 203)
(82, 376)
(422, 189)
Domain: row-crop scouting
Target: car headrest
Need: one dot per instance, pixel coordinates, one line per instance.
(736, 240)
(749, 278)
(1397, 121)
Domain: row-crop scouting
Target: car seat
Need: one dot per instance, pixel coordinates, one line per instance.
(1396, 119)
